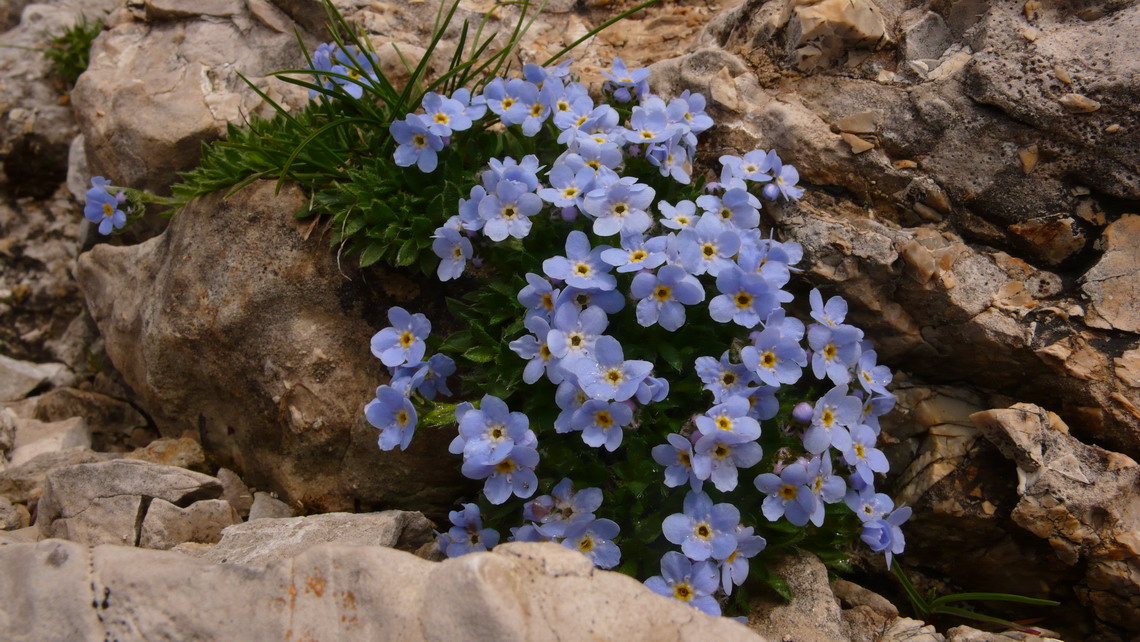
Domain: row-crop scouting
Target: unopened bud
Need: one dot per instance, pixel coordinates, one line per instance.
(802, 412)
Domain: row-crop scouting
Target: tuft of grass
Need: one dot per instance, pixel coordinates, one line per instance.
(70, 51)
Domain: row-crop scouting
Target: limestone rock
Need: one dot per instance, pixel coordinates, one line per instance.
(518, 592)
(167, 525)
(235, 491)
(183, 76)
(267, 358)
(266, 506)
(19, 378)
(1113, 284)
(260, 542)
(105, 503)
(181, 453)
(813, 615)
(111, 421)
(13, 516)
(821, 33)
(1081, 499)
(25, 483)
(34, 438)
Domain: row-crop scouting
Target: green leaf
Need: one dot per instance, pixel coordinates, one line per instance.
(443, 414)
(371, 254)
(481, 354)
(779, 586)
(408, 253)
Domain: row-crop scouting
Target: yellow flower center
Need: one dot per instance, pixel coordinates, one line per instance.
(703, 531)
(603, 419)
(661, 293)
(788, 492)
(638, 256)
(725, 213)
(407, 339)
(419, 140)
(768, 360)
(582, 269)
(586, 544)
(536, 110)
(827, 417)
(684, 457)
(829, 351)
(728, 378)
(683, 592)
(507, 103)
(614, 376)
(743, 300)
(509, 212)
(860, 452)
(620, 209)
(548, 301)
(721, 451)
(505, 466)
(442, 119)
(402, 417)
(108, 211)
(646, 134)
(562, 105)
(724, 423)
(570, 192)
(709, 250)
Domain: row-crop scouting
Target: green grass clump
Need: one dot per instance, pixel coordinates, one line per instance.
(70, 51)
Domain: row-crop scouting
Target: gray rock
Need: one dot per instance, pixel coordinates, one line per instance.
(106, 503)
(1113, 284)
(19, 378)
(25, 483)
(1081, 499)
(34, 438)
(235, 491)
(217, 351)
(260, 542)
(183, 76)
(813, 615)
(181, 453)
(519, 592)
(266, 506)
(110, 420)
(12, 516)
(926, 37)
(166, 525)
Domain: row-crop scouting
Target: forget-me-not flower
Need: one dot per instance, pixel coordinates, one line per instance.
(691, 583)
(102, 207)
(403, 342)
(607, 375)
(394, 415)
(662, 296)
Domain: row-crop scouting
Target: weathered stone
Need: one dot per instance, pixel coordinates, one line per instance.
(927, 37)
(19, 378)
(110, 420)
(182, 453)
(235, 491)
(1113, 284)
(34, 438)
(182, 75)
(264, 358)
(266, 506)
(258, 543)
(166, 525)
(24, 484)
(813, 615)
(518, 592)
(823, 32)
(105, 503)
(906, 629)
(12, 516)
(1081, 499)
(852, 595)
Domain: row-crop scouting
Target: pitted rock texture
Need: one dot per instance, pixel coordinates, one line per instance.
(178, 64)
(532, 592)
(267, 358)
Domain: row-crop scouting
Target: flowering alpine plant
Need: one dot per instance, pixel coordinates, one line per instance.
(636, 380)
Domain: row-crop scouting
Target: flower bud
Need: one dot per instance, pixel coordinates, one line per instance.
(770, 191)
(802, 412)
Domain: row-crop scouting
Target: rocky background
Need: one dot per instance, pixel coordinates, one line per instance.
(183, 406)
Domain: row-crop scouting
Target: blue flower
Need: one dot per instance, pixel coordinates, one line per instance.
(745, 298)
(567, 186)
(428, 378)
(775, 359)
(394, 415)
(569, 398)
(719, 455)
(652, 390)
(723, 378)
(594, 538)
(626, 84)
(507, 212)
(573, 334)
(885, 534)
(863, 455)
(473, 108)
(672, 158)
(610, 301)
(690, 583)
(582, 267)
(754, 166)
(508, 169)
(703, 530)
(403, 342)
(511, 100)
(834, 412)
(538, 296)
(637, 253)
(606, 375)
(418, 146)
(102, 207)
(868, 505)
(708, 246)
(831, 314)
(873, 378)
(662, 297)
(875, 407)
(469, 218)
(762, 402)
(601, 423)
(467, 535)
(677, 457)
(691, 109)
(453, 249)
(788, 494)
(620, 208)
(491, 433)
(826, 487)
(443, 115)
(784, 180)
(734, 570)
(737, 207)
(679, 216)
(555, 512)
(512, 475)
(728, 421)
(834, 351)
(648, 126)
(352, 62)
(536, 350)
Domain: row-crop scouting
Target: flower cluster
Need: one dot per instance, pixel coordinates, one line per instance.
(697, 262)
(401, 347)
(348, 69)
